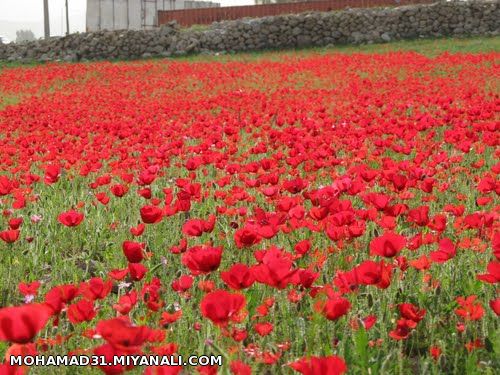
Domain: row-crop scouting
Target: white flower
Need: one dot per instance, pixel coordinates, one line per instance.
(36, 218)
(124, 285)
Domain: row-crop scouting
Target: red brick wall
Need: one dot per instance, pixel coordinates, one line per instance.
(203, 16)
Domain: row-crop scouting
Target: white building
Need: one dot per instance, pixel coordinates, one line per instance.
(133, 14)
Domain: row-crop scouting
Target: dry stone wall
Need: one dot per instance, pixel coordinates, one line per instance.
(350, 26)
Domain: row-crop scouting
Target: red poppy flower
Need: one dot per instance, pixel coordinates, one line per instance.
(275, 269)
(240, 368)
(138, 230)
(20, 324)
(435, 352)
(387, 245)
(6, 185)
(330, 365)
(95, 288)
(10, 235)
(117, 274)
(193, 227)
(182, 284)
(29, 289)
(238, 277)
(302, 247)
(419, 216)
(126, 303)
(52, 174)
(122, 335)
(59, 296)
(369, 321)
(411, 312)
(493, 275)
(202, 259)
(137, 271)
(70, 218)
(246, 237)
(373, 273)
(82, 311)
(403, 329)
(108, 352)
(336, 307)
(469, 309)
(151, 214)
(445, 252)
(15, 223)
(169, 318)
(495, 306)
(119, 190)
(134, 251)
(220, 306)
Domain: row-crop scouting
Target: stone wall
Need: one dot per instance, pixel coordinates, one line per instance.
(351, 26)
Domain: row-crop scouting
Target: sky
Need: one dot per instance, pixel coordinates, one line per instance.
(28, 14)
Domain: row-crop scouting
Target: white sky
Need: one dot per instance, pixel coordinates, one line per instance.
(28, 14)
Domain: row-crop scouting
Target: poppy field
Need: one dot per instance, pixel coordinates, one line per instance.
(322, 213)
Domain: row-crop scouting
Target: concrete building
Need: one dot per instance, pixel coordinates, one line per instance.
(133, 14)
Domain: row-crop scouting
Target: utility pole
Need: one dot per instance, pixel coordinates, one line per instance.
(46, 22)
(67, 18)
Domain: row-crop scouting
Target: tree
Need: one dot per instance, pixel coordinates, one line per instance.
(24, 36)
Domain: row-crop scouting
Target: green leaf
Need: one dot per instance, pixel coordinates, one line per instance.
(361, 345)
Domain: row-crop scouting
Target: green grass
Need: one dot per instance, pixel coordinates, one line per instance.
(6, 100)
(60, 255)
(427, 47)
